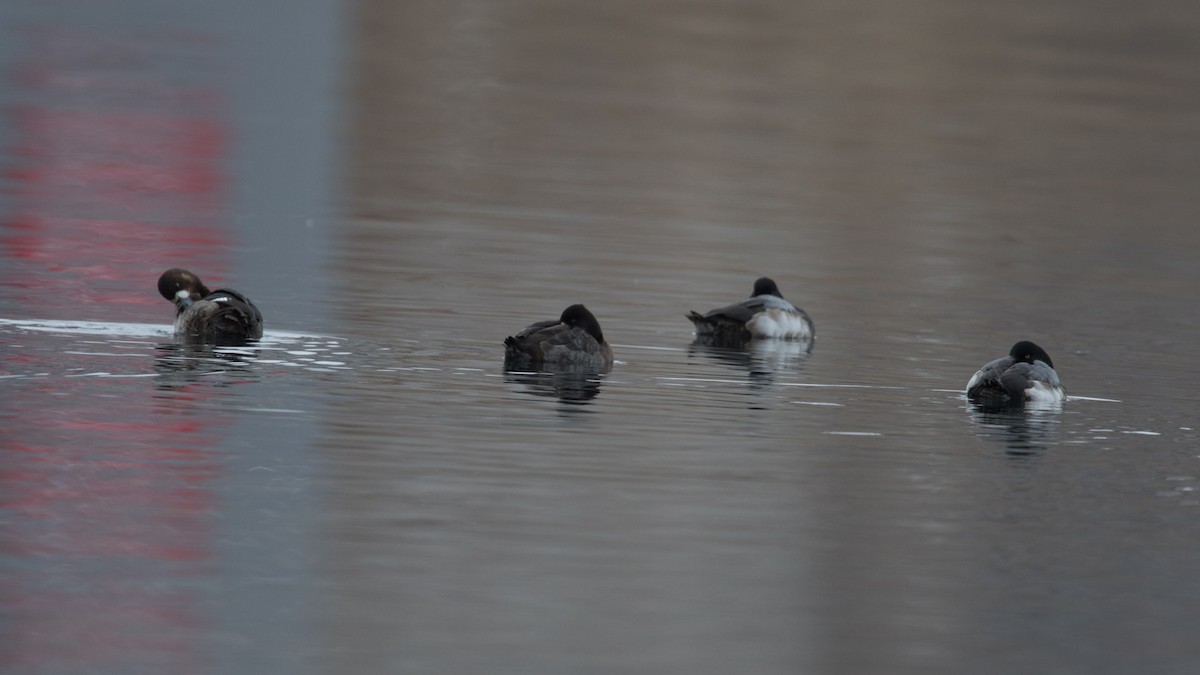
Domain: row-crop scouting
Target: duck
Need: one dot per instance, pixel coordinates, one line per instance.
(1025, 376)
(223, 316)
(574, 340)
(764, 315)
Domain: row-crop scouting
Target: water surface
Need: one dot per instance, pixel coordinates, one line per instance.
(367, 490)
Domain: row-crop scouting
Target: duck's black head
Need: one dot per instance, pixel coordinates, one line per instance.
(578, 316)
(765, 286)
(181, 286)
(1028, 352)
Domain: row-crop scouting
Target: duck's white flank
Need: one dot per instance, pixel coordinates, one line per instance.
(779, 324)
(1044, 392)
(974, 379)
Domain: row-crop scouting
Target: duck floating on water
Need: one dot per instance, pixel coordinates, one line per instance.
(573, 341)
(1025, 376)
(222, 316)
(764, 315)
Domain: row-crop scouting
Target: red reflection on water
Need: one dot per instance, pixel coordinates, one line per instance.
(115, 174)
(104, 632)
(114, 156)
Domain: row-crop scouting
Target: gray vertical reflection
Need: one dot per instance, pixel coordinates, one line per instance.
(285, 69)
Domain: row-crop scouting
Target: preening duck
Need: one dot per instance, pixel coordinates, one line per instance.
(221, 316)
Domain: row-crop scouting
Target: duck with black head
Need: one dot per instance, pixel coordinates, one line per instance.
(573, 341)
(222, 316)
(1025, 377)
(764, 315)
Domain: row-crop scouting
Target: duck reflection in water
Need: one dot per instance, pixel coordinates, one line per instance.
(181, 364)
(1024, 433)
(572, 387)
(762, 359)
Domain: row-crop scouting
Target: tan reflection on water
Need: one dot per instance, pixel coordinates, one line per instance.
(896, 165)
(715, 136)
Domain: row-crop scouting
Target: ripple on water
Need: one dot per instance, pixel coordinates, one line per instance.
(76, 353)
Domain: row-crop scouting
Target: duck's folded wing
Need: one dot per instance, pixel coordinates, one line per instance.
(536, 328)
(229, 297)
(740, 312)
(1039, 371)
(1021, 376)
(235, 313)
(989, 374)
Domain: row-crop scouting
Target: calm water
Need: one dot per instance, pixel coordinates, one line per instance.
(401, 186)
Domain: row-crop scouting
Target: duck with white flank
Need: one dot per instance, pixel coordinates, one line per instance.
(1026, 375)
(764, 315)
(221, 316)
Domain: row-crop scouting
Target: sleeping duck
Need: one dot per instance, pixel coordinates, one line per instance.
(574, 340)
(221, 316)
(764, 315)
(1026, 375)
